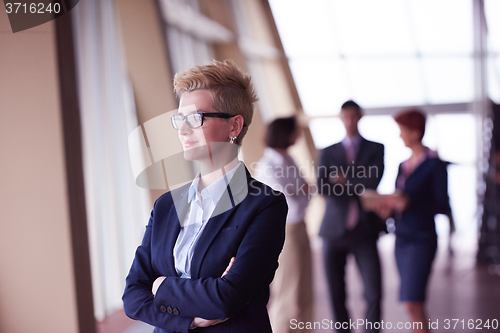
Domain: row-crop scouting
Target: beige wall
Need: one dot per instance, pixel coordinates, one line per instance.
(36, 279)
(149, 69)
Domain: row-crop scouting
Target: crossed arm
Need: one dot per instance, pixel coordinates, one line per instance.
(214, 299)
(197, 321)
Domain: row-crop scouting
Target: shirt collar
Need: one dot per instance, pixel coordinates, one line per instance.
(355, 140)
(427, 154)
(274, 155)
(194, 187)
(216, 189)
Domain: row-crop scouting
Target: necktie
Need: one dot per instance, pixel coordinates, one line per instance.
(352, 212)
(350, 152)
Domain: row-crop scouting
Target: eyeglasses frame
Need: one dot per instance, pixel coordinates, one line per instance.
(203, 115)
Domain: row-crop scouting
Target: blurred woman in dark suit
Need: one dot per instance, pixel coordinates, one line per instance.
(421, 193)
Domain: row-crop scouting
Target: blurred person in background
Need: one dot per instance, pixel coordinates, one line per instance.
(345, 170)
(421, 193)
(291, 290)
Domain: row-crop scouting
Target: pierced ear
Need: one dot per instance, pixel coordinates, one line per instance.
(238, 122)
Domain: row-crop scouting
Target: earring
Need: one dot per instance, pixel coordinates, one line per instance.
(231, 141)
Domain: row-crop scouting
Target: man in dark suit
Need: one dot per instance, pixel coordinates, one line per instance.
(345, 170)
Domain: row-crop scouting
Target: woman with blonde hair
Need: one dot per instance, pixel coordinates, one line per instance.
(211, 247)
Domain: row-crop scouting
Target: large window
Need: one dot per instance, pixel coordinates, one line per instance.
(386, 55)
(189, 33)
(380, 53)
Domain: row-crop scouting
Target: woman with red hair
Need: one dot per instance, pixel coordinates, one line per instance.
(423, 188)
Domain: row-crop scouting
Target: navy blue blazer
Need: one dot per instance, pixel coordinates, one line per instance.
(252, 231)
(365, 173)
(427, 187)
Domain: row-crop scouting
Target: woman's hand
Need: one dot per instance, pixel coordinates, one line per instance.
(228, 266)
(156, 284)
(401, 201)
(200, 322)
(383, 210)
(396, 202)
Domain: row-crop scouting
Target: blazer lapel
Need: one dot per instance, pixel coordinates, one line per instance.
(211, 230)
(361, 152)
(175, 218)
(341, 154)
(235, 192)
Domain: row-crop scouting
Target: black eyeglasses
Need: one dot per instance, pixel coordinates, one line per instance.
(195, 120)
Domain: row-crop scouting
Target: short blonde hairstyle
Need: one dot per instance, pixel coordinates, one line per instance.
(233, 91)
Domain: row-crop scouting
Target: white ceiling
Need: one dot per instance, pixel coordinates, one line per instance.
(384, 53)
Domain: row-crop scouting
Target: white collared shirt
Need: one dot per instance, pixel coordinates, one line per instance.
(202, 205)
(282, 174)
(352, 143)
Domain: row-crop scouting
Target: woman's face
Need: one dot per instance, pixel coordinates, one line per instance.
(410, 136)
(207, 141)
